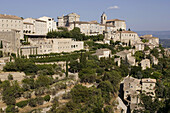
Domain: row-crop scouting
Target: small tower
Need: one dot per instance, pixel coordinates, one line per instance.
(103, 18)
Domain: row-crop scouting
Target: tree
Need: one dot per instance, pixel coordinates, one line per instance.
(1, 46)
(11, 109)
(66, 68)
(106, 88)
(10, 77)
(22, 104)
(32, 102)
(155, 52)
(40, 100)
(139, 55)
(1, 54)
(47, 98)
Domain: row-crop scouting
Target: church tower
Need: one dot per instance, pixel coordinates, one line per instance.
(103, 18)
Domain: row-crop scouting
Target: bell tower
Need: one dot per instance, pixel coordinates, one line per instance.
(103, 18)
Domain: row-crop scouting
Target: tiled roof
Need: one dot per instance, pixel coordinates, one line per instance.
(28, 23)
(4, 16)
(126, 32)
(114, 20)
(148, 80)
(83, 22)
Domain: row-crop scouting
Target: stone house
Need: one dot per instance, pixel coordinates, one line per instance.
(132, 88)
(145, 63)
(127, 56)
(103, 53)
(148, 86)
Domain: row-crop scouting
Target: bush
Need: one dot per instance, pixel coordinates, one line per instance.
(11, 109)
(40, 100)
(10, 77)
(32, 102)
(47, 98)
(22, 103)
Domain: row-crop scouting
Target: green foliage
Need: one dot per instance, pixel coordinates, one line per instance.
(90, 98)
(24, 65)
(11, 109)
(66, 69)
(75, 33)
(139, 55)
(149, 104)
(144, 40)
(106, 88)
(1, 45)
(87, 75)
(1, 54)
(10, 77)
(47, 98)
(156, 75)
(32, 102)
(146, 48)
(43, 81)
(22, 104)
(40, 100)
(108, 109)
(10, 92)
(155, 52)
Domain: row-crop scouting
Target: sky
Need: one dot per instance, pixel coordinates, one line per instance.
(140, 15)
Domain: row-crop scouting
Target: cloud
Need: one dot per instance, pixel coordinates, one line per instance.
(113, 7)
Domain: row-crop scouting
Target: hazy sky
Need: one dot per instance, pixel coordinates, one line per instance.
(139, 14)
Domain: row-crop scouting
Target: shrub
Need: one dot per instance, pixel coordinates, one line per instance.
(47, 98)
(10, 77)
(22, 103)
(32, 102)
(40, 100)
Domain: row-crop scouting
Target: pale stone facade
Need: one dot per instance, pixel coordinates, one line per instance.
(151, 39)
(155, 60)
(39, 26)
(126, 37)
(28, 28)
(11, 22)
(10, 40)
(106, 27)
(51, 24)
(132, 88)
(47, 46)
(139, 46)
(127, 56)
(117, 61)
(148, 86)
(65, 20)
(103, 53)
(145, 63)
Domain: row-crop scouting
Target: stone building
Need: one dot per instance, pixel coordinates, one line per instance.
(35, 27)
(93, 27)
(47, 46)
(51, 24)
(133, 87)
(151, 39)
(145, 63)
(154, 60)
(127, 56)
(148, 86)
(10, 40)
(11, 22)
(103, 53)
(65, 20)
(128, 37)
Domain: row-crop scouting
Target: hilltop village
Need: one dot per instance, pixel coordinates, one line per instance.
(74, 66)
